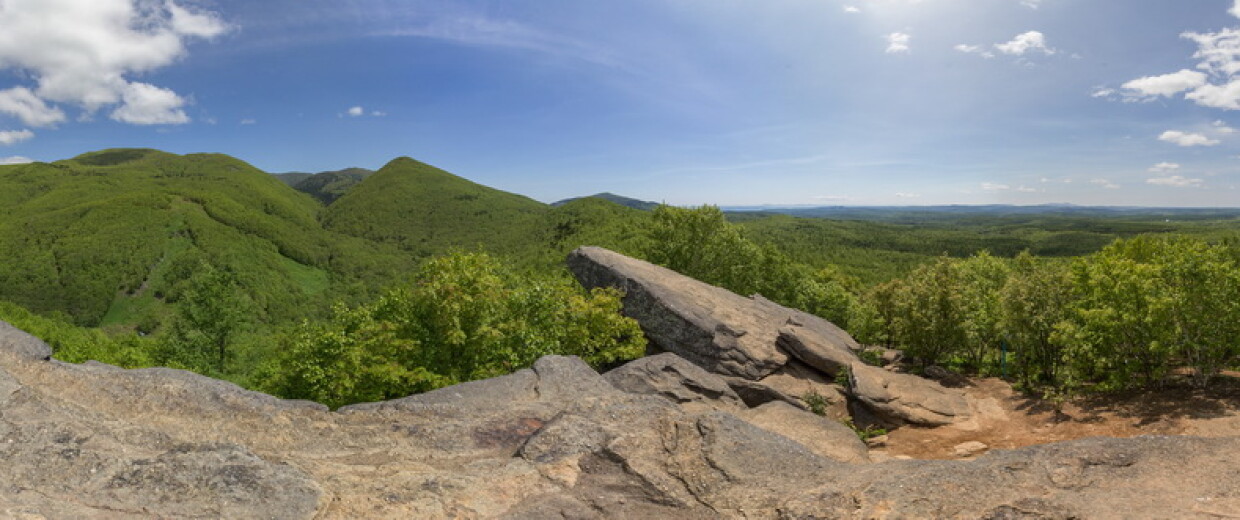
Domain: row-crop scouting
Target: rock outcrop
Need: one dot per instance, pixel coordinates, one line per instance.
(672, 377)
(768, 351)
(556, 440)
(658, 438)
(906, 398)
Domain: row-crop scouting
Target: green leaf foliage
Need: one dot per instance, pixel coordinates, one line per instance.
(701, 243)
(466, 317)
(1127, 316)
(76, 344)
(212, 313)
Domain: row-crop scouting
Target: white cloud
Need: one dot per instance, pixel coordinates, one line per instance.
(1226, 96)
(898, 42)
(974, 49)
(1222, 128)
(990, 186)
(1025, 189)
(1032, 4)
(79, 52)
(906, 195)
(146, 104)
(1219, 52)
(16, 159)
(1216, 83)
(1186, 139)
(248, 121)
(851, 9)
(1164, 167)
(1176, 181)
(12, 137)
(356, 111)
(1102, 92)
(1165, 85)
(21, 103)
(378, 113)
(1026, 42)
(1104, 183)
(195, 23)
(1235, 9)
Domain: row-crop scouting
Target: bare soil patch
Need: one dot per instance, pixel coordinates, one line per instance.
(1007, 419)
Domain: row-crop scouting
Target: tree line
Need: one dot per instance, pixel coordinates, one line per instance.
(1135, 313)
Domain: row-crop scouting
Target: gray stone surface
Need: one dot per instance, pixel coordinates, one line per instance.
(826, 437)
(905, 398)
(828, 358)
(1095, 478)
(23, 346)
(753, 341)
(715, 329)
(676, 379)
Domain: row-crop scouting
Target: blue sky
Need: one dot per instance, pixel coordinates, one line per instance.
(821, 102)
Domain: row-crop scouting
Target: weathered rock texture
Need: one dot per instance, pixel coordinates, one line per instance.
(557, 440)
(659, 438)
(769, 352)
(672, 377)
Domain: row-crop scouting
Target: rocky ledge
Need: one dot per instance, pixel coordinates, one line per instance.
(712, 428)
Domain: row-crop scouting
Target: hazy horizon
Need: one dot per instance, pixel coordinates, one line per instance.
(787, 103)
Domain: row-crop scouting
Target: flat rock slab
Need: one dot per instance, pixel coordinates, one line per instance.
(714, 328)
(826, 437)
(751, 341)
(904, 398)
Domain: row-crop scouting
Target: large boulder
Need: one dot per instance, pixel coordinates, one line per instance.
(904, 398)
(715, 329)
(752, 342)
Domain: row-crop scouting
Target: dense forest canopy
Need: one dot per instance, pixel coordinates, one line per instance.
(413, 278)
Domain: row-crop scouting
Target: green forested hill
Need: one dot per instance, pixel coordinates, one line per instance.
(612, 197)
(111, 237)
(106, 237)
(425, 210)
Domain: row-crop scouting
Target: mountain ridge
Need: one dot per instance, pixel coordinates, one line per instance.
(628, 202)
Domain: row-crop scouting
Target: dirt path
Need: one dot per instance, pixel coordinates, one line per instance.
(1006, 419)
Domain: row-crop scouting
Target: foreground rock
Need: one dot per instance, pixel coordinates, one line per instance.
(907, 398)
(770, 352)
(826, 437)
(554, 441)
(672, 377)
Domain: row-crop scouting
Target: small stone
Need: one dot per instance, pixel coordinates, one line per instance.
(876, 441)
(969, 449)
